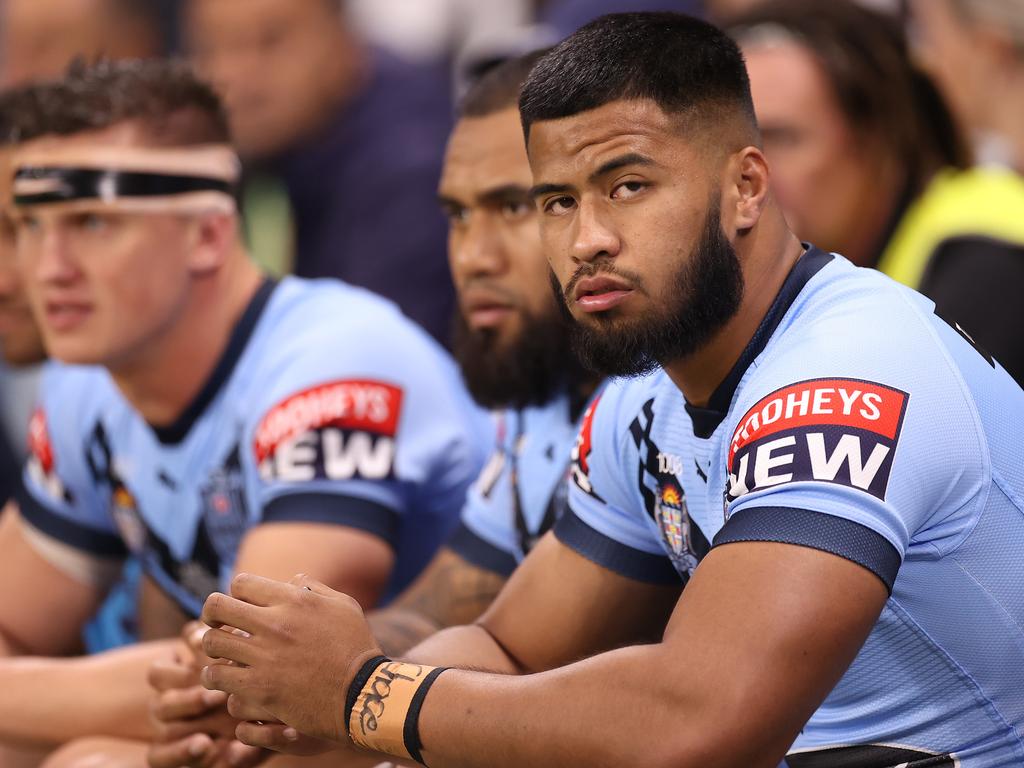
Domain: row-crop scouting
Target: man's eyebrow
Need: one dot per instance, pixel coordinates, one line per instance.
(448, 202)
(503, 194)
(633, 158)
(547, 189)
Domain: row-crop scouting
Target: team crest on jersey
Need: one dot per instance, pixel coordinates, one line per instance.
(664, 497)
(841, 431)
(125, 511)
(581, 451)
(224, 507)
(673, 519)
(41, 461)
(336, 431)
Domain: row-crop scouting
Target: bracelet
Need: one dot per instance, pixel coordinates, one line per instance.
(382, 708)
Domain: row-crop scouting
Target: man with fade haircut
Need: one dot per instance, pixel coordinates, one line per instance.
(512, 343)
(843, 464)
(225, 421)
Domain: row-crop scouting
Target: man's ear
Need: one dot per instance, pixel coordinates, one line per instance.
(213, 236)
(748, 188)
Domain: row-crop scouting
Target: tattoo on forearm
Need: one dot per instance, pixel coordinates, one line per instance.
(450, 592)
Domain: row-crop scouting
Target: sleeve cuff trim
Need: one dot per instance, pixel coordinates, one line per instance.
(334, 509)
(614, 555)
(817, 530)
(474, 549)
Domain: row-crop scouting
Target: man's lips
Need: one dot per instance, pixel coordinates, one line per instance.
(601, 292)
(66, 315)
(485, 309)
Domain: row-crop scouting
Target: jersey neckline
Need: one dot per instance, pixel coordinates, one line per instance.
(177, 431)
(706, 420)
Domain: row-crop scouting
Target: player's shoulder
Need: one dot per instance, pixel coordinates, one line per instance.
(855, 324)
(603, 444)
(328, 322)
(73, 395)
(618, 404)
(320, 330)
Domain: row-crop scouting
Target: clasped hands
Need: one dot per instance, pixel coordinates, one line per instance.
(268, 669)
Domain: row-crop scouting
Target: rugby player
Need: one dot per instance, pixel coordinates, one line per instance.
(844, 465)
(512, 344)
(228, 420)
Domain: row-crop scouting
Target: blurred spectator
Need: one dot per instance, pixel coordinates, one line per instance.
(431, 30)
(41, 37)
(853, 132)
(975, 51)
(566, 16)
(974, 223)
(355, 134)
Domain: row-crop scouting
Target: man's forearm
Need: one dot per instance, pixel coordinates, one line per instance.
(48, 701)
(617, 709)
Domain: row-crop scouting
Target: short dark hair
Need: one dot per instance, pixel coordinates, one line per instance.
(865, 59)
(683, 64)
(175, 107)
(498, 86)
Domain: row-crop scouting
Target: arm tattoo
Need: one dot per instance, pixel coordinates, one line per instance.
(450, 592)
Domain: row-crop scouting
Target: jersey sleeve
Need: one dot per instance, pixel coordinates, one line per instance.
(362, 431)
(599, 523)
(59, 500)
(486, 536)
(875, 456)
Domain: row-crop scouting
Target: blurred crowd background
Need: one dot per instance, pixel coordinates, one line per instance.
(895, 130)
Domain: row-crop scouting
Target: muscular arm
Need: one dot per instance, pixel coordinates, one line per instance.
(450, 592)
(763, 629)
(576, 609)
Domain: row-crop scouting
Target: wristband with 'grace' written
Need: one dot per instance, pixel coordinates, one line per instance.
(382, 708)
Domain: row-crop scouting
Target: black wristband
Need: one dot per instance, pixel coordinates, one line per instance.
(411, 732)
(357, 685)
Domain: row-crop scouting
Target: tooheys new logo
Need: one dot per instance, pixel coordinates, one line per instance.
(841, 431)
(335, 431)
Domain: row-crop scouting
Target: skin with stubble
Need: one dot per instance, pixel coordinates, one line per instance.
(625, 184)
(282, 68)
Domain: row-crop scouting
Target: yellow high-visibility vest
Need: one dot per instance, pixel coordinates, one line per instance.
(984, 202)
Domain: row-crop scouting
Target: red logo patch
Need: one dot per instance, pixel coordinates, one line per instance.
(581, 451)
(39, 441)
(829, 430)
(365, 406)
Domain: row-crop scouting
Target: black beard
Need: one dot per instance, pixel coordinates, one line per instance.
(706, 293)
(530, 370)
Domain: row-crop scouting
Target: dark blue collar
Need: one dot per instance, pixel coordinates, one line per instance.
(706, 419)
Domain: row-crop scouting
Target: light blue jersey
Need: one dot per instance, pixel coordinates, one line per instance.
(521, 492)
(328, 406)
(859, 423)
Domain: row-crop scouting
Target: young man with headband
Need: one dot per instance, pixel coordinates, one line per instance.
(850, 459)
(230, 421)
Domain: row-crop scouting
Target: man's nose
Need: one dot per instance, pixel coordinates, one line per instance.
(595, 236)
